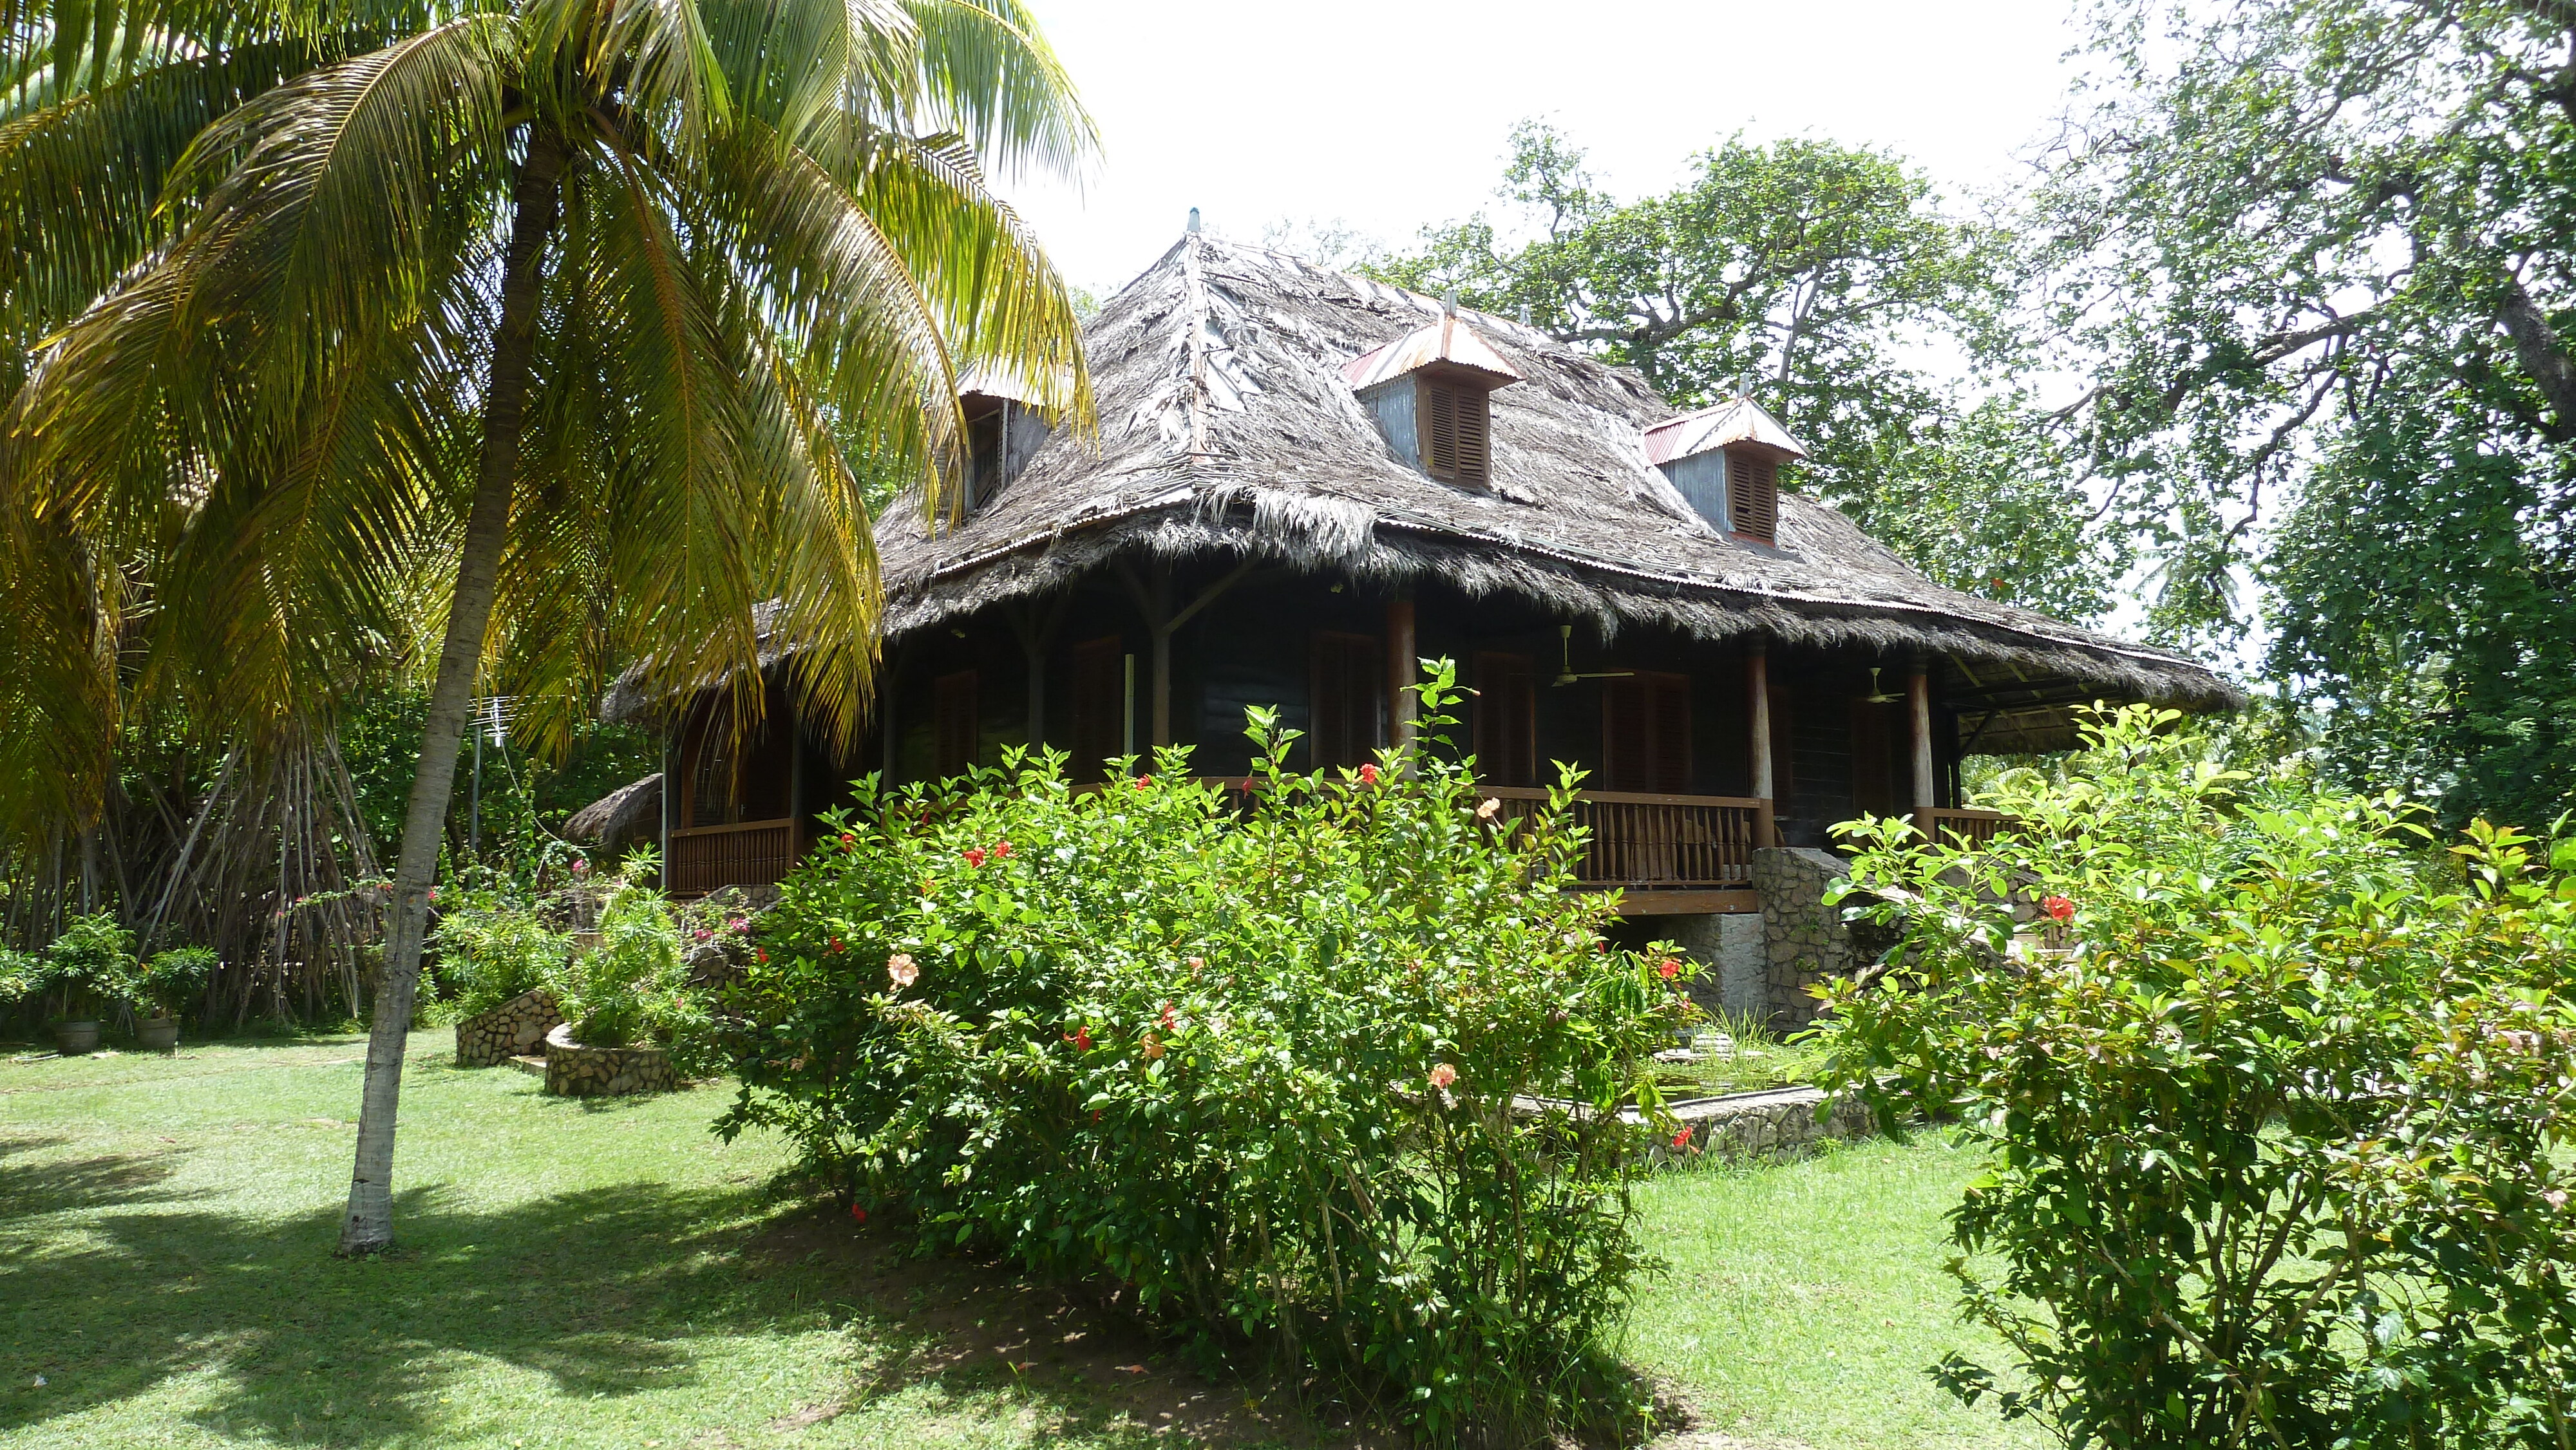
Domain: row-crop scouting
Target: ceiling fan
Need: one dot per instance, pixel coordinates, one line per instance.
(1877, 696)
(1566, 675)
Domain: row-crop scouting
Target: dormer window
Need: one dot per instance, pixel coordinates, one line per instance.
(1002, 432)
(1752, 493)
(1431, 395)
(1725, 462)
(1457, 432)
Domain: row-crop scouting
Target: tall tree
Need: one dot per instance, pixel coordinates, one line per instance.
(2320, 250)
(574, 302)
(1822, 280)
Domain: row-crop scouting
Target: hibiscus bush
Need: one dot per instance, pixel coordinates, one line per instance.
(1326, 1069)
(2277, 1094)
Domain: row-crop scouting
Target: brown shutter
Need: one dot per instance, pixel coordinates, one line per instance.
(1342, 713)
(953, 732)
(1474, 435)
(1506, 719)
(1752, 495)
(1099, 707)
(1439, 428)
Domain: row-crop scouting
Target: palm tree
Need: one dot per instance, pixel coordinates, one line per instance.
(579, 299)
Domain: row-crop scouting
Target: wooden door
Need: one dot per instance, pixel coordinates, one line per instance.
(1506, 719)
(1646, 734)
(1347, 699)
(1099, 707)
(954, 734)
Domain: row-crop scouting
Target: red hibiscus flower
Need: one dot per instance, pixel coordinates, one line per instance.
(1002, 850)
(849, 842)
(1682, 1138)
(1080, 1037)
(836, 944)
(1170, 1017)
(1669, 968)
(761, 953)
(1144, 782)
(1368, 775)
(974, 855)
(2058, 907)
(858, 1214)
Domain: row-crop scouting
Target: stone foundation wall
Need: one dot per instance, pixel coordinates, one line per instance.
(576, 1071)
(1728, 948)
(1804, 940)
(516, 1028)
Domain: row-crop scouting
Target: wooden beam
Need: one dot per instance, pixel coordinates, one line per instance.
(1757, 693)
(1689, 903)
(1400, 670)
(1918, 720)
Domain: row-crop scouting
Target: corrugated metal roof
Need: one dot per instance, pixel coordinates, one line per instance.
(1450, 340)
(1738, 420)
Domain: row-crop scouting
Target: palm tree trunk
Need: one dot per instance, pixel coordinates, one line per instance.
(369, 1226)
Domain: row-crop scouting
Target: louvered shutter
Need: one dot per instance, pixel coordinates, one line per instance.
(1668, 698)
(953, 735)
(1506, 718)
(1099, 706)
(1439, 429)
(1474, 438)
(1752, 495)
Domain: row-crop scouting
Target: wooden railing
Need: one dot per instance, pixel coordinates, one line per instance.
(1659, 842)
(1976, 830)
(749, 853)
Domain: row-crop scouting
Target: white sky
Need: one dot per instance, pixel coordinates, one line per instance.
(1391, 114)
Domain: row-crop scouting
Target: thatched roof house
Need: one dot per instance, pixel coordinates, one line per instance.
(1228, 430)
(1302, 482)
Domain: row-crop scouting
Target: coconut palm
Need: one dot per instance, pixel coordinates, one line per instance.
(575, 304)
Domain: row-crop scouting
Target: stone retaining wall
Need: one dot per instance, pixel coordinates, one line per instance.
(510, 1030)
(1804, 940)
(576, 1071)
(1782, 1121)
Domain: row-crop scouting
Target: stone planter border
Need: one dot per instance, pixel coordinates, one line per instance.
(516, 1028)
(576, 1071)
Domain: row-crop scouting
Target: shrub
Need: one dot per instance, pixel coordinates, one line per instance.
(173, 979)
(1253, 1069)
(494, 948)
(91, 967)
(2278, 1105)
(634, 988)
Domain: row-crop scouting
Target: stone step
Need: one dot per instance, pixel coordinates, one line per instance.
(532, 1065)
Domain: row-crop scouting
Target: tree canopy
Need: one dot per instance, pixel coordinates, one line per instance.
(2317, 252)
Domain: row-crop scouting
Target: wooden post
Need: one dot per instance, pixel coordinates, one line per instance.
(1401, 702)
(1757, 689)
(1918, 720)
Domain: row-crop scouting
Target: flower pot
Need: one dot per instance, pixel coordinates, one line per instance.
(157, 1034)
(75, 1038)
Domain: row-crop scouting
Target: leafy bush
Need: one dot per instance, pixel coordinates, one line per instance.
(1254, 1069)
(494, 948)
(91, 967)
(174, 978)
(2278, 1101)
(634, 987)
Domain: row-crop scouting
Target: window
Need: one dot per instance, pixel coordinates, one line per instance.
(1645, 733)
(984, 456)
(1343, 710)
(1506, 719)
(953, 737)
(1752, 494)
(1456, 436)
(1099, 706)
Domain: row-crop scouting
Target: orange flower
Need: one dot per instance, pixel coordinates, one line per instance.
(1669, 968)
(1153, 1046)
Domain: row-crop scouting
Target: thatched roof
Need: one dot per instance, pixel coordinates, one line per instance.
(1228, 427)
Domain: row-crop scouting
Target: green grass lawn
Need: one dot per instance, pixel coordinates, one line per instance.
(610, 1275)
